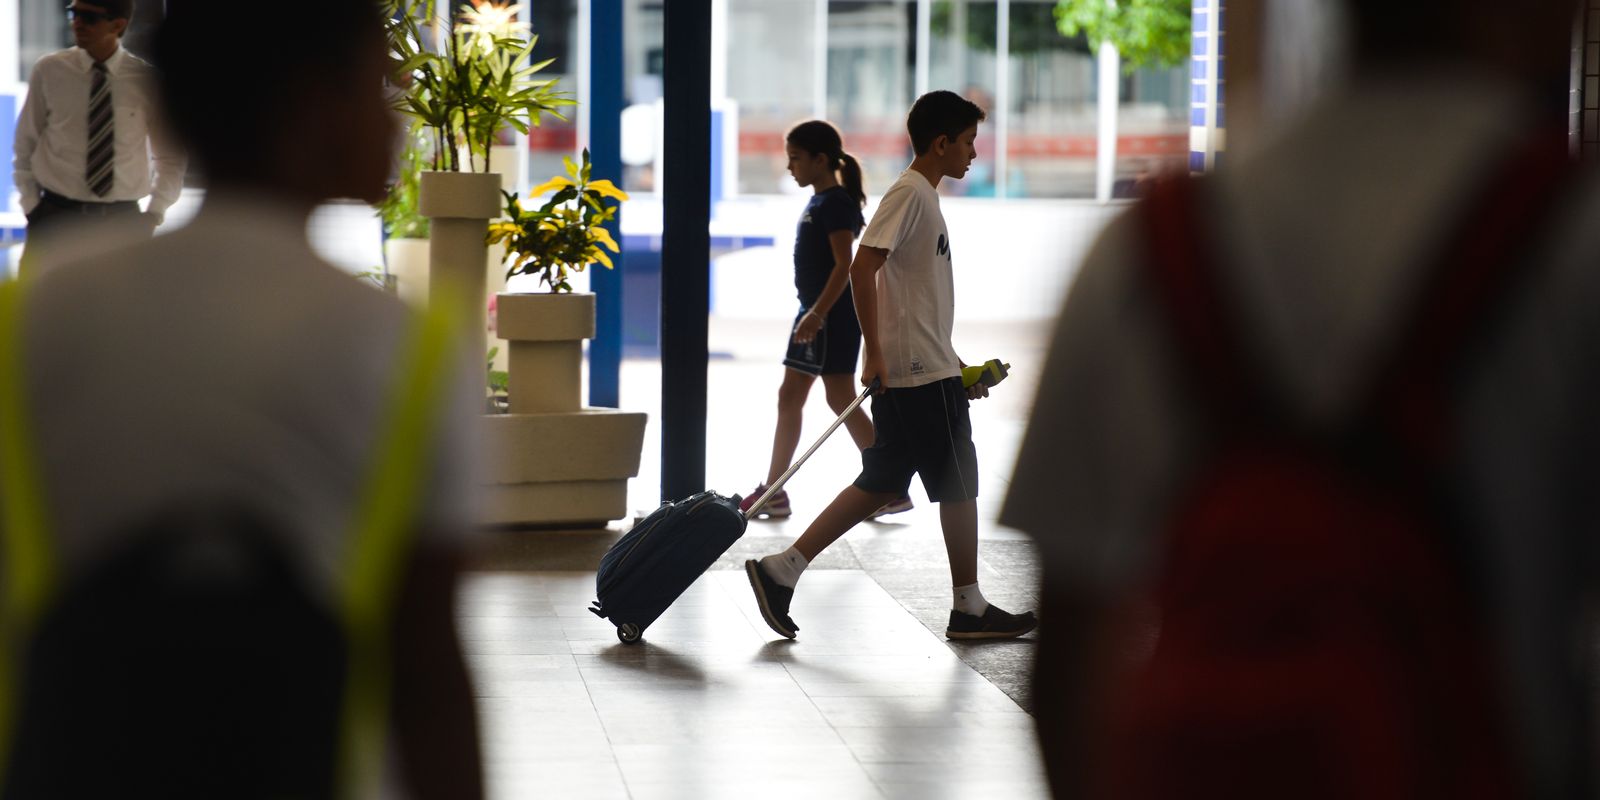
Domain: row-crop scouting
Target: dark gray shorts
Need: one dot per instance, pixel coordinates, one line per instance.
(924, 430)
(836, 349)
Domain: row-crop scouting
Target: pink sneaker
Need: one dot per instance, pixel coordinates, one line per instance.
(892, 507)
(776, 508)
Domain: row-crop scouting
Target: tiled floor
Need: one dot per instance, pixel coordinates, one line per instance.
(868, 703)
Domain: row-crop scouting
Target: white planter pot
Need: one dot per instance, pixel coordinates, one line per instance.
(459, 206)
(553, 461)
(407, 261)
(544, 335)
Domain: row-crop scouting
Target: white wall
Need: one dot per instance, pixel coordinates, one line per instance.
(1013, 258)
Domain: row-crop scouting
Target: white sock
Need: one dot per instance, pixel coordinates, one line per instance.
(970, 601)
(785, 567)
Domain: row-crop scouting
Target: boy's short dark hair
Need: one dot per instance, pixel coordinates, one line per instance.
(940, 113)
(229, 117)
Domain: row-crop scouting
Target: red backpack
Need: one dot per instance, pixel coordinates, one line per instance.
(1319, 637)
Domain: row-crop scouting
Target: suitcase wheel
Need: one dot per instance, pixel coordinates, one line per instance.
(629, 633)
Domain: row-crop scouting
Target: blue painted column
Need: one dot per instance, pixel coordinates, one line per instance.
(1207, 79)
(605, 152)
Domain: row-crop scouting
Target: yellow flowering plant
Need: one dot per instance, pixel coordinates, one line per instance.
(564, 235)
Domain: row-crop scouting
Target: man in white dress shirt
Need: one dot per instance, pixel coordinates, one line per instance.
(88, 145)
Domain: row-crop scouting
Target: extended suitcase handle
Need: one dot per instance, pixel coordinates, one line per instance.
(777, 485)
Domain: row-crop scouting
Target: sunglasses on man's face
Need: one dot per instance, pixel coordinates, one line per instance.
(88, 17)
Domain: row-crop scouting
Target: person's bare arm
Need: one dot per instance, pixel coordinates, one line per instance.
(839, 242)
(435, 716)
(864, 287)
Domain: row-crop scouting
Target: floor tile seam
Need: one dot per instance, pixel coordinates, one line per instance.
(877, 785)
(834, 729)
(611, 746)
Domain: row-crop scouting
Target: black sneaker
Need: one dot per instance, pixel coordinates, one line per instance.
(994, 624)
(773, 598)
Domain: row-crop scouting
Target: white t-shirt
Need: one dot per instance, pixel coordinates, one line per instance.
(916, 286)
(225, 360)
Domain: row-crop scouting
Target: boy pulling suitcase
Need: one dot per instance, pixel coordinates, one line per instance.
(903, 283)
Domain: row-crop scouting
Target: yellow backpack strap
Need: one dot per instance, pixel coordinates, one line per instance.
(385, 524)
(27, 563)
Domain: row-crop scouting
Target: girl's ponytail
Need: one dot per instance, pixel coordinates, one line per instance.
(850, 176)
(820, 138)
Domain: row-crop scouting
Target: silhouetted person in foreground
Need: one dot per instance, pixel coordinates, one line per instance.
(235, 479)
(1311, 465)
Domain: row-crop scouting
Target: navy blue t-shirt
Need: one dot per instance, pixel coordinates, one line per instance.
(830, 211)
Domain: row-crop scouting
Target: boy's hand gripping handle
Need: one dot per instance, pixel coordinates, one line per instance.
(777, 485)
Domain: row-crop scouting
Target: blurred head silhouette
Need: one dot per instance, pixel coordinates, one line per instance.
(304, 119)
(1527, 40)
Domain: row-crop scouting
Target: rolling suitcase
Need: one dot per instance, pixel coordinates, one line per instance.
(652, 564)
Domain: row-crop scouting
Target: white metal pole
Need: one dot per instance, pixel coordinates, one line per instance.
(719, 51)
(1106, 151)
(1214, 51)
(580, 72)
(819, 62)
(919, 81)
(1002, 99)
(1110, 91)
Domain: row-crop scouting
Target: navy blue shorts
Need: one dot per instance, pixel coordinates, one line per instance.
(924, 430)
(836, 348)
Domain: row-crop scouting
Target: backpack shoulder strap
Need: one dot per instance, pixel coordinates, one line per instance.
(1203, 327)
(1477, 272)
(385, 529)
(27, 561)
(1472, 272)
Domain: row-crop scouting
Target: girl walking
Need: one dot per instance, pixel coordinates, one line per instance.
(826, 338)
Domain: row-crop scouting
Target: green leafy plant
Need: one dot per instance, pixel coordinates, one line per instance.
(478, 85)
(1146, 33)
(564, 235)
(1032, 29)
(401, 219)
(499, 384)
(376, 276)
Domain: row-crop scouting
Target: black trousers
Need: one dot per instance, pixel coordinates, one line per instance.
(56, 216)
(55, 210)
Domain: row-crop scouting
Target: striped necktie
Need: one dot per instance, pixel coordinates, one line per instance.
(100, 172)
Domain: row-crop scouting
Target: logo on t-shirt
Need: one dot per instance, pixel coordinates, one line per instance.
(916, 366)
(944, 246)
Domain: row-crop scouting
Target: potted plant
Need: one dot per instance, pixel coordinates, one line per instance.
(405, 230)
(563, 463)
(478, 83)
(562, 236)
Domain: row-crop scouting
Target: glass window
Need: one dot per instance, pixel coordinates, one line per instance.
(963, 59)
(871, 61)
(781, 36)
(643, 70)
(1054, 82)
(43, 30)
(1052, 124)
(555, 22)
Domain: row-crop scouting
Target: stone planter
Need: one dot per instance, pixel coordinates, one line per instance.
(553, 461)
(459, 206)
